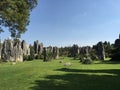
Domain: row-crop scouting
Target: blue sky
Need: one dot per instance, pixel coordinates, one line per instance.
(65, 22)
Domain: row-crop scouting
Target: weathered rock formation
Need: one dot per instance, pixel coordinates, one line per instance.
(50, 53)
(75, 51)
(101, 51)
(85, 51)
(55, 52)
(38, 47)
(7, 53)
(25, 48)
(17, 52)
(45, 54)
(13, 50)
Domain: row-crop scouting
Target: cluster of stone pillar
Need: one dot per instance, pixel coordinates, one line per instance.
(50, 53)
(12, 50)
(87, 50)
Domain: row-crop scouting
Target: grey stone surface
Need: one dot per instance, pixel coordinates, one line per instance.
(38, 47)
(7, 50)
(55, 52)
(45, 54)
(18, 52)
(14, 50)
(101, 51)
(25, 48)
(85, 50)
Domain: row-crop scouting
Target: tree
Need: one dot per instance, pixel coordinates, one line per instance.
(108, 48)
(116, 50)
(32, 53)
(14, 14)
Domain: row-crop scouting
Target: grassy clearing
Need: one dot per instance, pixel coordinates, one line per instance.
(38, 75)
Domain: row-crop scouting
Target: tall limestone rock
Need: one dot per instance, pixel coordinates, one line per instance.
(85, 51)
(101, 51)
(7, 50)
(38, 47)
(18, 52)
(55, 52)
(25, 48)
(75, 51)
(45, 54)
(12, 51)
(49, 49)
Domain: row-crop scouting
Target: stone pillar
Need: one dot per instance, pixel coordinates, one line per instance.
(55, 52)
(7, 51)
(12, 52)
(18, 52)
(45, 54)
(25, 48)
(36, 46)
(40, 48)
(101, 51)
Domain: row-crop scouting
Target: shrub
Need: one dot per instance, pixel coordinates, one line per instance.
(49, 56)
(39, 56)
(32, 53)
(25, 57)
(94, 56)
(115, 54)
(61, 61)
(87, 60)
(31, 57)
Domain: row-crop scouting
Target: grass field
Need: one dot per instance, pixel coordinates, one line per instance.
(38, 75)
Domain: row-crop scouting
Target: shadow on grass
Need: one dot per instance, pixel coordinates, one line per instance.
(77, 80)
(109, 62)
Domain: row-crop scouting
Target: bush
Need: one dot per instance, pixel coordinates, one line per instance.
(49, 56)
(31, 57)
(94, 57)
(25, 57)
(115, 54)
(39, 56)
(87, 61)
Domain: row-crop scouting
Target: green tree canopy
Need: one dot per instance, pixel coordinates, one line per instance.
(14, 14)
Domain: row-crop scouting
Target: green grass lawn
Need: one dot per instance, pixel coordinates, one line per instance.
(38, 75)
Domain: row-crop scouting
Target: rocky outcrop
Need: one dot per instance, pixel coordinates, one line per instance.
(74, 51)
(45, 54)
(25, 48)
(17, 52)
(38, 47)
(85, 51)
(13, 50)
(7, 53)
(101, 51)
(50, 53)
(55, 52)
